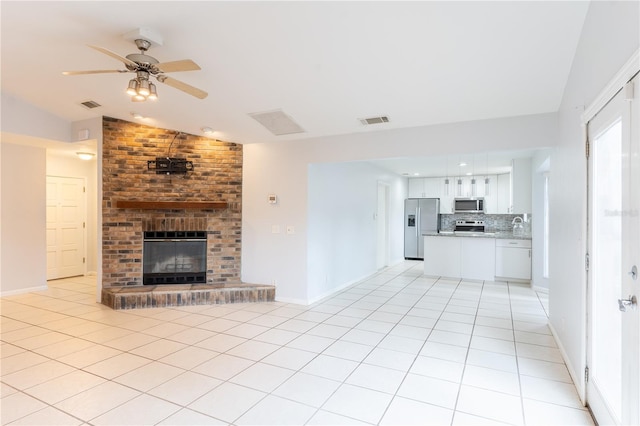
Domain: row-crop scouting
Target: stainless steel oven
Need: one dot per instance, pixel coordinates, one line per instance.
(467, 226)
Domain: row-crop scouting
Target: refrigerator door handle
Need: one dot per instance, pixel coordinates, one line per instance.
(418, 222)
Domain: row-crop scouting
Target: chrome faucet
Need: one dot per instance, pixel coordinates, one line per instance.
(518, 227)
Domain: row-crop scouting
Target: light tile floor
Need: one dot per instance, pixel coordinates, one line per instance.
(395, 348)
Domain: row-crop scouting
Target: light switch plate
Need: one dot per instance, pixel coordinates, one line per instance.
(275, 229)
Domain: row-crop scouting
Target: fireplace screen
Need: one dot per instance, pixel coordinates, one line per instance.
(174, 257)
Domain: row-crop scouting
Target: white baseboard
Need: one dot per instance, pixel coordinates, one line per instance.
(290, 300)
(23, 291)
(540, 289)
(333, 290)
(337, 289)
(578, 379)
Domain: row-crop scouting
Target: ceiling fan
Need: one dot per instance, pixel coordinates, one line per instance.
(141, 88)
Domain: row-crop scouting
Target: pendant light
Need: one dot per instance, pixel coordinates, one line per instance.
(459, 183)
(473, 177)
(446, 179)
(487, 182)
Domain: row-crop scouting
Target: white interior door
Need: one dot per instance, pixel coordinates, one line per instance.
(65, 227)
(613, 351)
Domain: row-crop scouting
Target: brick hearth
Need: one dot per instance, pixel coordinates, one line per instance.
(150, 296)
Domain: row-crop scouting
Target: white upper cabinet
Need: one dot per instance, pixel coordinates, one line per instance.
(436, 188)
(447, 195)
(416, 188)
(462, 186)
(432, 188)
(503, 193)
(489, 186)
(521, 185)
(502, 179)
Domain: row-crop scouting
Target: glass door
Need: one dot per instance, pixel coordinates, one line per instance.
(613, 348)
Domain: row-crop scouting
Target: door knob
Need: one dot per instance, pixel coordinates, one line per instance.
(631, 302)
(634, 272)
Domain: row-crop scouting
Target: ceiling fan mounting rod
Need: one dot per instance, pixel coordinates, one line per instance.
(142, 44)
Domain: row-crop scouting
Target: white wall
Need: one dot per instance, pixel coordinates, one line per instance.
(21, 118)
(539, 167)
(281, 168)
(35, 130)
(23, 238)
(69, 165)
(342, 229)
(609, 37)
(94, 125)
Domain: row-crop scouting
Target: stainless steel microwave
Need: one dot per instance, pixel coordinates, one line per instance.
(468, 205)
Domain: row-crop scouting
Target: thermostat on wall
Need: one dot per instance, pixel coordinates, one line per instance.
(273, 198)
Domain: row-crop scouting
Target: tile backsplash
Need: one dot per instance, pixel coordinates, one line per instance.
(493, 222)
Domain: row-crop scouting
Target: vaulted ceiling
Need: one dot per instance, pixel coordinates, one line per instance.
(324, 64)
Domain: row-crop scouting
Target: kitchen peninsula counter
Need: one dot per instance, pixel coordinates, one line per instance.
(478, 256)
(497, 235)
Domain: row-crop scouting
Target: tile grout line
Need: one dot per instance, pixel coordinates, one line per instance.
(374, 347)
(423, 344)
(455, 406)
(316, 354)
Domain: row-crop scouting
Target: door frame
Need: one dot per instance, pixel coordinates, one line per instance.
(612, 114)
(628, 71)
(382, 243)
(84, 217)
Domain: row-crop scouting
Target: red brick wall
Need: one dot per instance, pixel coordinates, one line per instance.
(217, 176)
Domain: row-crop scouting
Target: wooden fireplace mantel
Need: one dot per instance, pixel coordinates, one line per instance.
(159, 205)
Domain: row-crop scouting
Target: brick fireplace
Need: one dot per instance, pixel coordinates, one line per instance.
(136, 200)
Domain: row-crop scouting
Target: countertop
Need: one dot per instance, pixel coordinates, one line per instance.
(497, 235)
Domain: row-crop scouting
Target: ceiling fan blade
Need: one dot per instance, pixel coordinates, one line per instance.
(92, 72)
(184, 65)
(193, 91)
(114, 55)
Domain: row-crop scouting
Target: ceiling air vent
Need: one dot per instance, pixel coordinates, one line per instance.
(90, 104)
(374, 120)
(277, 122)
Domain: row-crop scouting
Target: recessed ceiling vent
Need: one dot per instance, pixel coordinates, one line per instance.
(374, 120)
(90, 104)
(277, 122)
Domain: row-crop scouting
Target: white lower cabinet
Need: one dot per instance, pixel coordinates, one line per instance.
(460, 257)
(442, 256)
(513, 259)
(478, 258)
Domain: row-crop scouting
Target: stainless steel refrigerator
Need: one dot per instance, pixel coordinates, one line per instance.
(421, 216)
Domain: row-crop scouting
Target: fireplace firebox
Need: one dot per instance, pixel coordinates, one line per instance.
(174, 257)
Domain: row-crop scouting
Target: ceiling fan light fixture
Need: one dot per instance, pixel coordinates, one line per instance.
(133, 87)
(138, 98)
(153, 93)
(143, 88)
